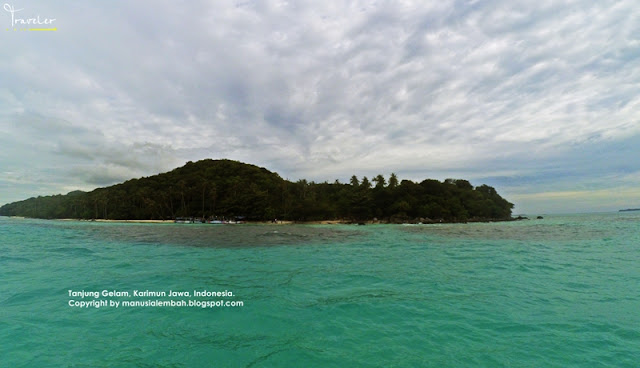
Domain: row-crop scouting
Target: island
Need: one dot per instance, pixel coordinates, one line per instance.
(214, 190)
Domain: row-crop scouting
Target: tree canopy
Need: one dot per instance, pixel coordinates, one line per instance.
(229, 189)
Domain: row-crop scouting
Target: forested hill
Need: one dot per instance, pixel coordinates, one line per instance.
(228, 189)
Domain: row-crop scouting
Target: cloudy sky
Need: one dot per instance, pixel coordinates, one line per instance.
(540, 99)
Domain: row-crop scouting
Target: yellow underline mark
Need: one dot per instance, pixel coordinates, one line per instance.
(43, 29)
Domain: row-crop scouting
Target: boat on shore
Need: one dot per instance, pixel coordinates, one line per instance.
(224, 222)
(185, 220)
(215, 221)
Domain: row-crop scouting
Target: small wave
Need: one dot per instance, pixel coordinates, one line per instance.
(284, 234)
(14, 259)
(356, 297)
(72, 250)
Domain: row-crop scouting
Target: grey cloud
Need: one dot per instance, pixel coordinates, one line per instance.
(323, 89)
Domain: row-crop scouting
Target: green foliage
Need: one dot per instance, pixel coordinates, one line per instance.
(226, 189)
(380, 182)
(354, 181)
(393, 181)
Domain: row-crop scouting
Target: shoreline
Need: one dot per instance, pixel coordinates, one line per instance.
(120, 221)
(289, 222)
(322, 222)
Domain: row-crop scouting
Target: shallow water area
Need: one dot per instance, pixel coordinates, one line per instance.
(557, 292)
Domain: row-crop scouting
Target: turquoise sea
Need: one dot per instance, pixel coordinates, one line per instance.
(563, 291)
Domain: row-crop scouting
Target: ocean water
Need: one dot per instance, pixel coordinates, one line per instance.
(559, 292)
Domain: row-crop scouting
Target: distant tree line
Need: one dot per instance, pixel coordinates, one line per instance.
(211, 189)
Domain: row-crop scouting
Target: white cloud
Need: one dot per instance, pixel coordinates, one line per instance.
(506, 91)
